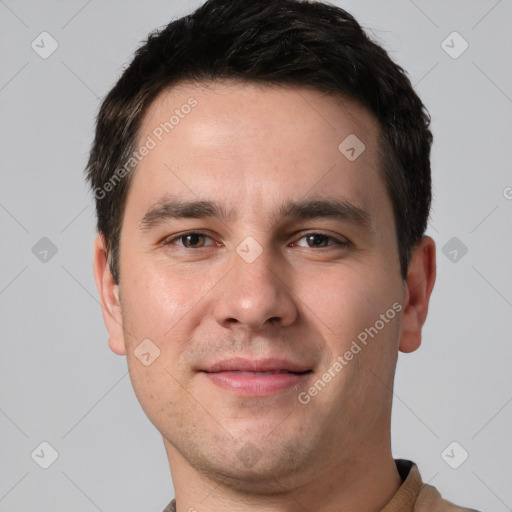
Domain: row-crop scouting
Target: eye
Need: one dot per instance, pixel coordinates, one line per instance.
(321, 240)
(199, 240)
(191, 240)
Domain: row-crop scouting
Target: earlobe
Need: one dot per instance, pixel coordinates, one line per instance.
(421, 277)
(109, 297)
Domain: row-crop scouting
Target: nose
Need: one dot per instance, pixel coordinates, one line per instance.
(255, 295)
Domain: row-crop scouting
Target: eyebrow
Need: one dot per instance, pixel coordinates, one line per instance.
(171, 208)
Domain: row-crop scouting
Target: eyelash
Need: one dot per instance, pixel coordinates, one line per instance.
(169, 241)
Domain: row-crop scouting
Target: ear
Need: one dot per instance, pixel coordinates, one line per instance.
(109, 297)
(421, 277)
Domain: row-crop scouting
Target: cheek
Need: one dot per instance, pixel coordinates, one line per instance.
(153, 303)
(343, 299)
(347, 306)
(159, 391)
(158, 308)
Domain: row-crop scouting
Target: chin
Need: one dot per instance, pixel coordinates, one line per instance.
(261, 469)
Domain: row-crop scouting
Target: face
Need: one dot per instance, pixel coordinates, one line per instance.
(261, 302)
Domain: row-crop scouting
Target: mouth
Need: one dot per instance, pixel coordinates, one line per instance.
(245, 377)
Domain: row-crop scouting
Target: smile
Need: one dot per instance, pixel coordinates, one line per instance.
(247, 383)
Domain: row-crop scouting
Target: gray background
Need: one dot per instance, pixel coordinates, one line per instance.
(60, 383)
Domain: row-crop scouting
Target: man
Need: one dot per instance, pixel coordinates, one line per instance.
(262, 180)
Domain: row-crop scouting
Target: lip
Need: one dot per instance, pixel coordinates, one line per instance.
(242, 364)
(244, 377)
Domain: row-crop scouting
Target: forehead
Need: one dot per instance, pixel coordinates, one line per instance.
(246, 143)
(230, 104)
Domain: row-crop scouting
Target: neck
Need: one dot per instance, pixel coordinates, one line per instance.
(364, 484)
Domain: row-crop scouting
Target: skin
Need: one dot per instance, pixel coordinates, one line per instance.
(252, 148)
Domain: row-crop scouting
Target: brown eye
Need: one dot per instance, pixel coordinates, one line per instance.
(191, 240)
(317, 240)
(320, 240)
